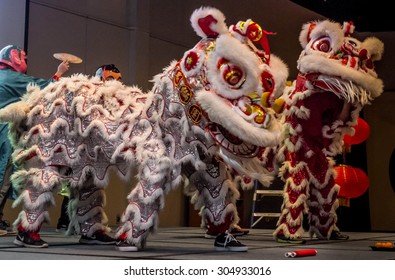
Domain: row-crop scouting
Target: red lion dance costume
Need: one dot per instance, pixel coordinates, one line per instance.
(336, 79)
(202, 121)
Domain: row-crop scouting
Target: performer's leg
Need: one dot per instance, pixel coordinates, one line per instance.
(87, 214)
(63, 221)
(2, 205)
(36, 187)
(216, 196)
(4, 225)
(290, 224)
(5, 192)
(145, 201)
(322, 206)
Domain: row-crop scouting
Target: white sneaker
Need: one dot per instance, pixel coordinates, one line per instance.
(122, 245)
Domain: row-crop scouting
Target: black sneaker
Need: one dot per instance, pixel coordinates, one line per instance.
(227, 242)
(124, 246)
(282, 239)
(5, 225)
(98, 238)
(61, 227)
(29, 239)
(336, 235)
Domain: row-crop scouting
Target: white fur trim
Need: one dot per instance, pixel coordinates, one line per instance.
(14, 112)
(219, 27)
(219, 112)
(323, 28)
(319, 64)
(375, 47)
(243, 58)
(280, 73)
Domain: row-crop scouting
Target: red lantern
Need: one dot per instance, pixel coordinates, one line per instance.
(353, 181)
(362, 131)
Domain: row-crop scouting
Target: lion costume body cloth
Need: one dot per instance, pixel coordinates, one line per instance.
(336, 79)
(202, 120)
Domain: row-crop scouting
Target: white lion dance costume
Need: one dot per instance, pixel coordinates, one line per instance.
(336, 79)
(202, 121)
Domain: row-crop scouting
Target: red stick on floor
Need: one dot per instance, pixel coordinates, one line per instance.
(301, 253)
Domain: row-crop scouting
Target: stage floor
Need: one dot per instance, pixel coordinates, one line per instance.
(188, 243)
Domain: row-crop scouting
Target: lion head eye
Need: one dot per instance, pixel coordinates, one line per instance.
(353, 42)
(233, 75)
(322, 44)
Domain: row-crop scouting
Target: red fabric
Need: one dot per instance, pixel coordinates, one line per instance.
(305, 252)
(205, 25)
(123, 236)
(220, 228)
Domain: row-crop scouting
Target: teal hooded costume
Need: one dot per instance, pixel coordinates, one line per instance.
(13, 83)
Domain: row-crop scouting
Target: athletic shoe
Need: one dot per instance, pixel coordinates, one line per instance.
(61, 227)
(124, 246)
(5, 225)
(98, 238)
(227, 242)
(336, 235)
(282, 239)
(29, 239)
